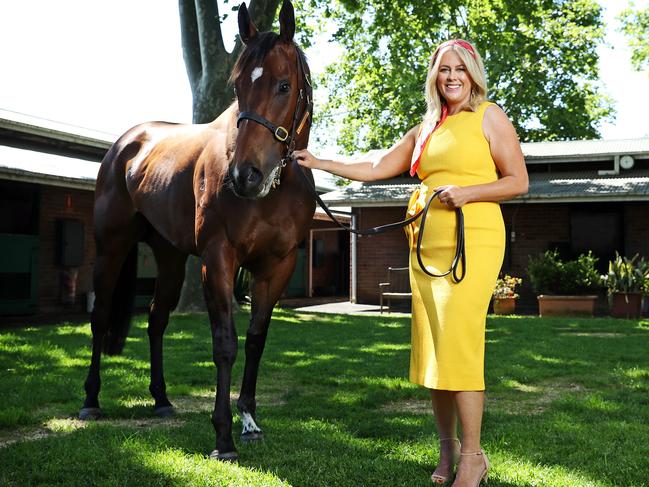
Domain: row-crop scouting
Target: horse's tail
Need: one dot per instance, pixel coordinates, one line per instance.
(122, 304)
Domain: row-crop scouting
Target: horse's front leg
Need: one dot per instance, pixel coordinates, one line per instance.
(269, 281)
(218, 280)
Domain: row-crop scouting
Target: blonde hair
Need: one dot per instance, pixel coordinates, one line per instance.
(475, 69)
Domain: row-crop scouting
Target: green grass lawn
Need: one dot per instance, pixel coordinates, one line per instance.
(567, 405)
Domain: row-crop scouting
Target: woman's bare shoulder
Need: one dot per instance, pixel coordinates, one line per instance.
(495, 122)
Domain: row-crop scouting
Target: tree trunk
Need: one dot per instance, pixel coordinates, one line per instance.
(208, 63)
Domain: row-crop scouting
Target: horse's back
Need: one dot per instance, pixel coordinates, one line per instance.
(151, 170)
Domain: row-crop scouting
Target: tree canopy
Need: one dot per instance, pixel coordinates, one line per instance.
(540, 58)
(635, 24)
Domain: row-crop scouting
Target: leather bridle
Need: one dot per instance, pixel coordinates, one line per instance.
(305, 97)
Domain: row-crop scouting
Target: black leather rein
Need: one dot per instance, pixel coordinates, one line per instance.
(460, 250)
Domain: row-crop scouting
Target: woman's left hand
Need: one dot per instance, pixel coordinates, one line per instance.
(452, 196)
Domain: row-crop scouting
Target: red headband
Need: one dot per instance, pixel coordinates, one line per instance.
(456, 42)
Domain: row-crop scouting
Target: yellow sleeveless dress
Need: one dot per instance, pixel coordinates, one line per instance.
(448, 319)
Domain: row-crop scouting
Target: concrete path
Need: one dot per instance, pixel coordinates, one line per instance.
(347, 308)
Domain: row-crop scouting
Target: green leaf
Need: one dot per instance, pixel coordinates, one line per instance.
(540, 57)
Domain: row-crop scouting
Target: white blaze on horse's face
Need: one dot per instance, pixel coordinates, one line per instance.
(256, 73)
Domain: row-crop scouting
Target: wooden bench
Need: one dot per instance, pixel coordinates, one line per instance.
(397, 287)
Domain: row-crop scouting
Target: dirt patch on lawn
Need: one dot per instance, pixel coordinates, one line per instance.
(411, 406)
(202, 402)
(62, 426)
(531, 399)
(596, 334)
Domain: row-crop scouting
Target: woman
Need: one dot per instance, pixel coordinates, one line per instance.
(467, 148)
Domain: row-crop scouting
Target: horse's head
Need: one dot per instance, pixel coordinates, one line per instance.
(272, 86)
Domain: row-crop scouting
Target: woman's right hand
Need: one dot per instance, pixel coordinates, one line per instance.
(306, 159)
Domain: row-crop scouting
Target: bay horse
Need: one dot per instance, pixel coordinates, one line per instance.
(228, 192)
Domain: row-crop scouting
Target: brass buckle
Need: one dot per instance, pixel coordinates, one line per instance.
(281, 138)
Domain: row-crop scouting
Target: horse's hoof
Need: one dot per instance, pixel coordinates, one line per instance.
(89, 414)
(164, 411)
(252, 436)
(230, 456)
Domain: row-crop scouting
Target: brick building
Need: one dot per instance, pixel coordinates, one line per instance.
(583, 195)
(47, 179)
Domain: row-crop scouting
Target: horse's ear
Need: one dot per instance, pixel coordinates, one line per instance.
(247, 30)
(287, 22)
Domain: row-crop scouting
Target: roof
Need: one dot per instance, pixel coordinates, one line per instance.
(567, 151)
(557, 186)
(543, 188)
(40, 167)
(57, 170)
(569, 187)
(324, 181)
(584, 150)
(50, 129)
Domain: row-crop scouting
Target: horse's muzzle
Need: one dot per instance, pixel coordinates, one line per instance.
(248, 181)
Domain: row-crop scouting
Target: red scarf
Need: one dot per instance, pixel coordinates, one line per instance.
(425, 132)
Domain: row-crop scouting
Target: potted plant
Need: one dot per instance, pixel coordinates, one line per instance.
(626, 281)
(504, 295)
(564, 288)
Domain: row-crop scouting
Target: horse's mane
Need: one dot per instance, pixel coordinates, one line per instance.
(255, 52)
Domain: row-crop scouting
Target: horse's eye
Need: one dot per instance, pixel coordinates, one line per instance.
(284, 87)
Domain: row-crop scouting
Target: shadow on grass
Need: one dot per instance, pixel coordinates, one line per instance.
(566, 404)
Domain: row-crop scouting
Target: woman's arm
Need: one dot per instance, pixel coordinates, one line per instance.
(395, 161)
(506, 153)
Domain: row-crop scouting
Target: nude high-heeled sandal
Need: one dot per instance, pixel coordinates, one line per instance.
(485, 473)
(441, 479)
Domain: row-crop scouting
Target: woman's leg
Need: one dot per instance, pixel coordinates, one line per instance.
(445, 414)
(470, 405)
(446, 418)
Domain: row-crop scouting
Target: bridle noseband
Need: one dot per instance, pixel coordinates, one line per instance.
(280, 133)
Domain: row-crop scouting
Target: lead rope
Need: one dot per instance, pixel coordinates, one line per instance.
(306, 92)
(460, 251)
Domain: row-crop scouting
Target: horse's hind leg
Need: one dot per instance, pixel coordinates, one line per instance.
(116, 257)
(268, 285)
(171, 273)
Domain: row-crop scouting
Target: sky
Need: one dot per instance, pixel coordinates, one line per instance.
(108, 65)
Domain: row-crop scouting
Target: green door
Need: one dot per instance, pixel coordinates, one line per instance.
(18, 273)
(297, 284)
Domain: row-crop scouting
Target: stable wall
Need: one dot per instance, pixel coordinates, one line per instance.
(375, 253)
(536, 228)
(63, 203)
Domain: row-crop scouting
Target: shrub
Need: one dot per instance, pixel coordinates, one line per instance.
(627, 275)
(550, 275)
